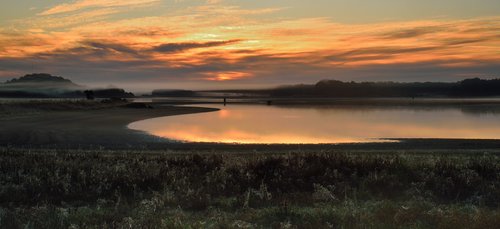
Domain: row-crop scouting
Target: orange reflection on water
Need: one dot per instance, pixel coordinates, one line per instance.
(223, 114)
(240, 137)
(248, 124)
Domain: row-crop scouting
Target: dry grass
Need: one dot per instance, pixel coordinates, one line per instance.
(96, 189)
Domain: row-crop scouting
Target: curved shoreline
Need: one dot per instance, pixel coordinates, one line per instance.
(85, 128)
(107, 128)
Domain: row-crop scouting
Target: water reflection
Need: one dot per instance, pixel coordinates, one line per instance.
(325, 124)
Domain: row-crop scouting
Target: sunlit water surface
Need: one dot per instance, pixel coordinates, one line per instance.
(325, 124)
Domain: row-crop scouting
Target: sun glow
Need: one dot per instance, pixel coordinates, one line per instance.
(223, 76)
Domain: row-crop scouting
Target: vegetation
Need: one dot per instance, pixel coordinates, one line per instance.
(41, 78)
(337, 89)
(110, 93)
(134, 189)
(42, 85)
(334, 88)
(173, 93)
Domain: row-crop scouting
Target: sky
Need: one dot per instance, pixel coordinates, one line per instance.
(220, 44)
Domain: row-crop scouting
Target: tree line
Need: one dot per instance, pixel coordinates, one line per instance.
(473, 87)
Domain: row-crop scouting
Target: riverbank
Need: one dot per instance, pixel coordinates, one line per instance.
(80, 124)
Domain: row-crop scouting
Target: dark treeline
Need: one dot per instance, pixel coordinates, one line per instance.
(173, 93)
(333, 88)
(98, 93)
(110, 93)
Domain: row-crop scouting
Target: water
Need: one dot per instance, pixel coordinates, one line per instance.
(326, 124)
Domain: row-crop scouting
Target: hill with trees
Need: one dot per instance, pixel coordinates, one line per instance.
(43, 85)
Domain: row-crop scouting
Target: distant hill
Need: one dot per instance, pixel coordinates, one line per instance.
(38, 85)
(41, 78)
(43, 85)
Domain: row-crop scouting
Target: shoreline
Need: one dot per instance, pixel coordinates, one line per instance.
(107, 128)
(84, 128)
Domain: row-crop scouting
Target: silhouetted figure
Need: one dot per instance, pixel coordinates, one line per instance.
(224, 101)
(89, 94)
(269, 102)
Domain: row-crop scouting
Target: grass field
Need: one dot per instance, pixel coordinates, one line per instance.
(169, 189)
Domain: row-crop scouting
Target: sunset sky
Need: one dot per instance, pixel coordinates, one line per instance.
(216, 44)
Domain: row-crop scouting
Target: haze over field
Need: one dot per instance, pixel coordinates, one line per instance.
(220, 44)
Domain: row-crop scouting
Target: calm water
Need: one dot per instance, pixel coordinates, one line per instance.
(326, 124)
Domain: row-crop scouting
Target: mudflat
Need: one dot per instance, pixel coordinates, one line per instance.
(82, 127)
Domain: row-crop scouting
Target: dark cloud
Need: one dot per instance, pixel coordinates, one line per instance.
(463, 41)
(150, 32)
(390, 50)
(413, 32)
(92, 49)
(97, 48)
(489, 29)
(179, 47)
(247, 51)
(377, 53)
(108, 46)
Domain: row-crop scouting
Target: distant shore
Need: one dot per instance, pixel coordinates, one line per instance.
(383, 101)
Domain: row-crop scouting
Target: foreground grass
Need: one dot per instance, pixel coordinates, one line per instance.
(122, 189)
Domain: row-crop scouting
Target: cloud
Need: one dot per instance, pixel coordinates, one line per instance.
(150, 32)
(179, 47)
(386, 50)
(113, 47)
(85, 65)
(464, 41)
(66, 21)
(222, 46)
(413, 32)
(214, 1)
(87, 4)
